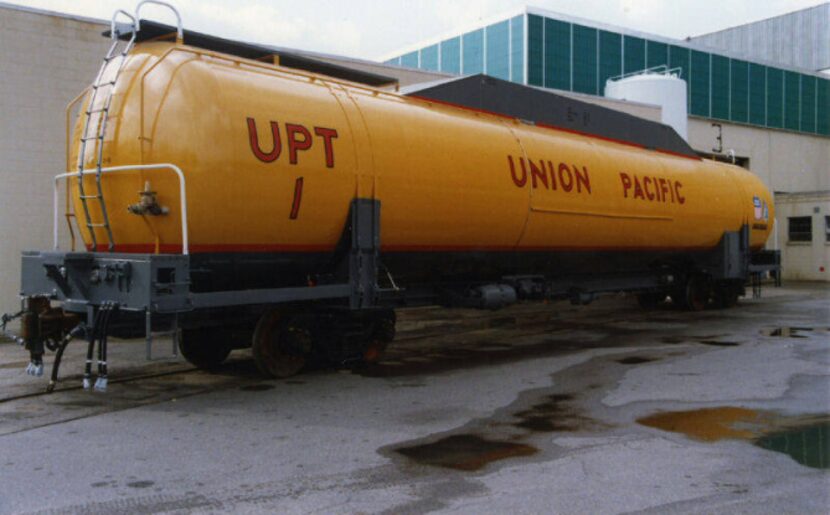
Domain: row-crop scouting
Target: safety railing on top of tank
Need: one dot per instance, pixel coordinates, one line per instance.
(179, 30)
(113, 169)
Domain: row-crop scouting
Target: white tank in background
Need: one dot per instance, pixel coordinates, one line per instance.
(658, 86)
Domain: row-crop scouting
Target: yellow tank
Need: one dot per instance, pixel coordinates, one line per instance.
(273, 156)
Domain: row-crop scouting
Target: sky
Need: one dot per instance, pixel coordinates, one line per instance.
(376, 29)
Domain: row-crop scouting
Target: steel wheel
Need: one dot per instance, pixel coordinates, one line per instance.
(205, 347)
(280, 344)
(696, 294)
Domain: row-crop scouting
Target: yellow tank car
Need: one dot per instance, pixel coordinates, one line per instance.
(268, 196)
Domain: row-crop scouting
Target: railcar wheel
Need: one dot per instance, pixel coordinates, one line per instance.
(696, 293)
(726, 297)
(383, 332)
(281, 344)
(205, 347)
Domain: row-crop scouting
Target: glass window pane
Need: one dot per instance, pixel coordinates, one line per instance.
(635, 54)
(720, 87)
(800, 228)
(757, 94)
(699, 83)
(740, 91)
(792, 85)
(450, 56)
(775, 97)
(557, 54)
(657, 54)
(498, 50)
(534, 50)
(429, 58)
(585, 60)
(610, 57)
(472, 48)
(517, 26)
(679, 58)
(808, 103)
(410, 60)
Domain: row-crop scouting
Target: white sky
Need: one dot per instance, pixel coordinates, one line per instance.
(372, 29)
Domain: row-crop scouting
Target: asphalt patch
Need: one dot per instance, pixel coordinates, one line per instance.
(635, 360)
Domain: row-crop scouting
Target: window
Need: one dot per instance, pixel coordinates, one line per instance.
(800, 228)
(827, 228)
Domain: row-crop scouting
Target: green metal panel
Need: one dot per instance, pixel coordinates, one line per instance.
(792, 93)
(498, 50)
(823, 101)
(699, 84)
(740, 91)
(557, 54)
(410, 60)
(451, 56)
(517, 49)
(808, 103)
(656, 54)
(535, 45)
(757, 94)
(429, 58)
(775, 97)
(472, 52)
(635, 54)
(610, 57)
(720, 87)
(584, 59)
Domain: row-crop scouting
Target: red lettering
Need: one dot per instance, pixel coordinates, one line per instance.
(564, 171)
(552, 171)
(638, 190)
(298, 198)
(294, 144)
(646, 183)
(582, 179)
(327, 135)
(664, 188)
(677, 187)
(520, 182)
(540, 173)
(626, 183)
(253, 139)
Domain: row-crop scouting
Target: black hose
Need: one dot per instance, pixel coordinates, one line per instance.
(56, 365)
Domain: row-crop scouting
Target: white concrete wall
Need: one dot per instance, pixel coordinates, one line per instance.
(785, 161)
(45, 61)
(804, 260)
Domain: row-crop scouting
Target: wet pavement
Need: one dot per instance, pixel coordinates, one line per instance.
(534, 409)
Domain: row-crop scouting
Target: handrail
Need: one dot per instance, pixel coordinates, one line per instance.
(179, 30)
(661, 69)
(112, 169)
(113, 33)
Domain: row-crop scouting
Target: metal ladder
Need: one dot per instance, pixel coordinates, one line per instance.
(102, 110)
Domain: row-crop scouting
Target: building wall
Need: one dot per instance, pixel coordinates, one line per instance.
(800, 38)
(785, 161)
(804, 260)
(578, 57)
(45, 61)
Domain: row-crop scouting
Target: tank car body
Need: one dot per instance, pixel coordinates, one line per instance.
(460, 206)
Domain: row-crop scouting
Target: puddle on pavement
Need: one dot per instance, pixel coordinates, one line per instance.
(805, 438)
(465, 452)
(719, 343)
(808, 445)
(635, 360)
(787, 332)
(552, 414)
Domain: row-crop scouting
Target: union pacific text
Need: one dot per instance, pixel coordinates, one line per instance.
(549, 175)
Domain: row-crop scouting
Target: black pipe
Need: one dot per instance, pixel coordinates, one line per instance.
(59, 355)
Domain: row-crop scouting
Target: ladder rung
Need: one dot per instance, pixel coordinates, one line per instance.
(103, 84)
(89, 224)
(90, 196)
(92, 138)
(99, 110)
